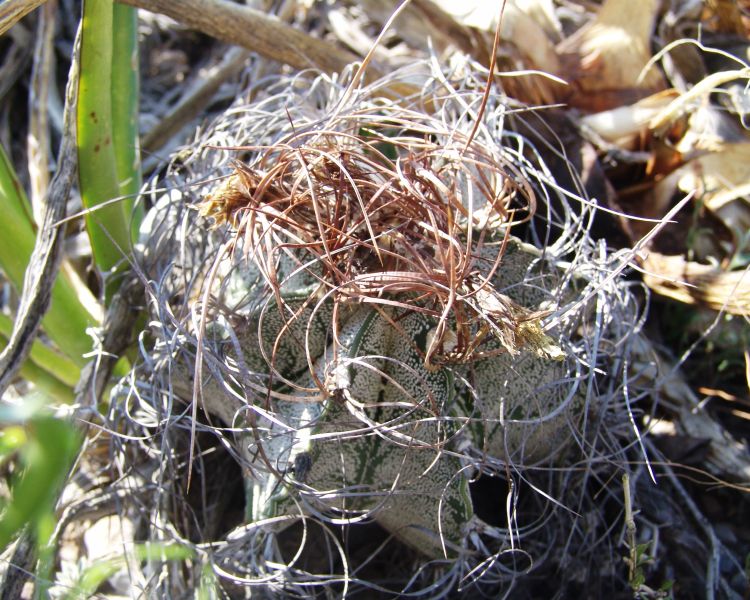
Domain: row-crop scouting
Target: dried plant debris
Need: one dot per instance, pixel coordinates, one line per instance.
(340, 297)
(606, 59)
(689, 145)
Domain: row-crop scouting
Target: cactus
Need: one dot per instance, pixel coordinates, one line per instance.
(370, 429)
(371, 331)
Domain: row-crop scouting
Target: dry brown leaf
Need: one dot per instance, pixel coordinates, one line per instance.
(723, 16)
(527, 33)
(694, 283)
(518, 28)
(722, 176)
(605, 58)
(623, 125)
(722, 182)
(421, 24)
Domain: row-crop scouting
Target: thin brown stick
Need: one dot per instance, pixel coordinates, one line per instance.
(253, 30)
(38, 139)
(12, 11)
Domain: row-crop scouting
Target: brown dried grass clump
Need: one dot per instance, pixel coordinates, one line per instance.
(390, 217)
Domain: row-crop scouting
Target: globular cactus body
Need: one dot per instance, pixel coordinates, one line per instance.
(371, 329)
(362, 428)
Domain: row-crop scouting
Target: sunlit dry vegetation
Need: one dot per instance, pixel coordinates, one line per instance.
(375, 299)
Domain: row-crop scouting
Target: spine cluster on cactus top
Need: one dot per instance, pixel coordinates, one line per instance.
(381, 210)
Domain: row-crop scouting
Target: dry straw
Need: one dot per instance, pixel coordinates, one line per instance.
(337, 280)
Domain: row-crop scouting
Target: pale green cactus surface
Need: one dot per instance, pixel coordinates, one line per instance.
(366, 334)
(385, 437)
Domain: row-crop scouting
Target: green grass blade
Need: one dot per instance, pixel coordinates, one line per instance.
(67, 319)
(101, 570)
(44, 573)
(12, 195)
(46, 457)
(125, 106)
(16, 229)
(53, 362)
(53, 390)
(94, 576)
(108, 225)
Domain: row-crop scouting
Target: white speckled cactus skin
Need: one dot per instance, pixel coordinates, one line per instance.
(384, 441)
(397, 459)
(334, 413)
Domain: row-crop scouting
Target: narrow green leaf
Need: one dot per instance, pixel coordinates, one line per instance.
(52, 361)
(45, 567)
(16, 229)
(667, 586)
(46, 459)
(67, 319)
(12, 438)
(101, 570)
(162, 552)
(209, 586)
(15, 203)
(125, 106)
(52, 388)
(94, 576)
(107, 225)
